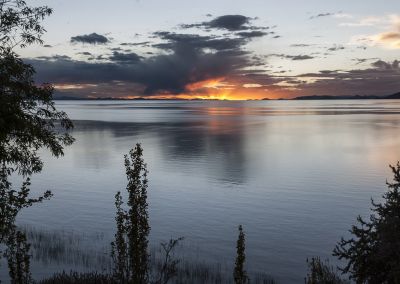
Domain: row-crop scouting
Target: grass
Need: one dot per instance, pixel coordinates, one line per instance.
(69, 248)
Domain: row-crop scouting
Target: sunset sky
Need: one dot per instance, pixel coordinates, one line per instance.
(219, 49)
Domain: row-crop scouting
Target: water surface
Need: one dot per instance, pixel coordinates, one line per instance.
(295, 174)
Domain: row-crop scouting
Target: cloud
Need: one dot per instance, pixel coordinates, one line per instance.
(252, 34)
(230, 22)
(363, 22)
(388, 39)
(362, 60)
(125, 58)
(293, 57)
(336, 47)
(208, 64)
(381, 78)
(233, 23)
(87, 53)
(144, 43)
(227, 22)
(197, 41)
(300, 45)
(187, 63)
(320, 15)
(383, 65)
(92, 38)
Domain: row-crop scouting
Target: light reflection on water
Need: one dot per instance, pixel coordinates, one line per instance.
(294, 173)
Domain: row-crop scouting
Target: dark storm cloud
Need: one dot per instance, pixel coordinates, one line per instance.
(198, 42)
(227, 22)
(125, 58)
(92, 38)
(190, 58)
(251, 34)
(170, 73)
(230, 22)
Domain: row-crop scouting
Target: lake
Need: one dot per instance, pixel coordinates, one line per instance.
(295, 174)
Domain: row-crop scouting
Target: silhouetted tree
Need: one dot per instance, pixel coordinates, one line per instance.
(239, 273)
(17, 248)
(322, 273)
(130, 248)
(119, 248)
(29, 121)
(18, 257)
(373, 252)
(28, 115)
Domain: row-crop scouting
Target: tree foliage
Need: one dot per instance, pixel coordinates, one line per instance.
(16, 247)
(20, 24)
(373, 252)
(169, 265)
(29, 122)
(320, 272)
(130, 249)
(239, 272)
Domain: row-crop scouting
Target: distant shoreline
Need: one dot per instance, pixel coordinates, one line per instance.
(300, 98)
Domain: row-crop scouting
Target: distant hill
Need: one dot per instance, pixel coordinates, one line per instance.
(317, 97)
(357, 97)
(394, 96)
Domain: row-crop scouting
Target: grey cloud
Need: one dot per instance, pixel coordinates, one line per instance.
(321, 15)
(226, 22)
(251, 34)
(198, 42)
(380, 64)
(230, 22)
(177, 61)
(87, 53)
(92, 38)
(54, 57)
(381, 79)
(336, 48)
(293, 57)
(300, 45)
(169, 73)
(363, 60)
(144, 43)
(125, 58)
(300, 57)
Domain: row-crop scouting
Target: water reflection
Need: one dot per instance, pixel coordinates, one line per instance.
(219, 143)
